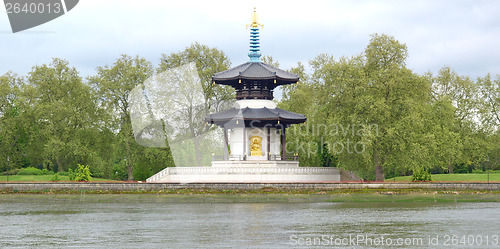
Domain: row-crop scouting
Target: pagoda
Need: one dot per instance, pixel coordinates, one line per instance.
(255, 125)
(254, 131)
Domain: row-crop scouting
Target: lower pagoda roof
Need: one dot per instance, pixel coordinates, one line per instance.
(265, 115)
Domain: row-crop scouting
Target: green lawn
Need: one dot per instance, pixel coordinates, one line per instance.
(494, 177)
(435, 178)
(40, 178)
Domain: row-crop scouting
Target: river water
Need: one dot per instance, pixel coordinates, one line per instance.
(139, 221)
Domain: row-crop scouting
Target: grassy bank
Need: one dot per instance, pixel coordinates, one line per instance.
(454, 178)
(268, 198)
(264, 195)
(40, 178)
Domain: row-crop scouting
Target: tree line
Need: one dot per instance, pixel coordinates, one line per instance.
(368, 113)
(397, 121)
(54, 119)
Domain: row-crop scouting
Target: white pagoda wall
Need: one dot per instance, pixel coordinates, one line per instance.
(236, 142)
(236, 134)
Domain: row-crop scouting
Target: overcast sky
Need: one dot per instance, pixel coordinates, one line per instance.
(464, 35)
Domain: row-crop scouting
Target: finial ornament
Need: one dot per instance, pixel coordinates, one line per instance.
(255, 20)
(254, 53)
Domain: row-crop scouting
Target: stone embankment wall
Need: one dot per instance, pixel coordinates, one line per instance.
(135, 186)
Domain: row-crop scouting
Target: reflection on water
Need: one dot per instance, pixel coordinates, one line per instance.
(138, 221)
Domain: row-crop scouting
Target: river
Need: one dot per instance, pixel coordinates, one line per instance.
(142, 221)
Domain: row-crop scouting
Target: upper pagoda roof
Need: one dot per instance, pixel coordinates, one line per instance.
(255, 71)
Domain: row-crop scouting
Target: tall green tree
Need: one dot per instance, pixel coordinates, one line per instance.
(208, 62)
(371, 106)
(113, 85)
(490, 117)
(490, 108)
(216, 97)
(392, 101)
(12, 136)
(59, 112)
(463, 136)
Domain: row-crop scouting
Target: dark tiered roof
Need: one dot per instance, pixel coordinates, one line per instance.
(261, 115)
(255, 80)
(254, 71)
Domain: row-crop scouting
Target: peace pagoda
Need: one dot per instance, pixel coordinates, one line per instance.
(254, 131)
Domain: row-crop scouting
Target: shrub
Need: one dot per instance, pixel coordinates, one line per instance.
(478, 171)
(55, 178)
(71, 174)
(463, 168)
(34, 171)
(47, 172)
(10, 172)
(421, 175)
(119, 171)
(64, 173)
(83, 173)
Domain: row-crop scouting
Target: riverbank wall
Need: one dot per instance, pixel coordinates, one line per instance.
(136, 186)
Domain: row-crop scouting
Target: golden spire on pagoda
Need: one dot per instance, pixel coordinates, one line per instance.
(255, 20)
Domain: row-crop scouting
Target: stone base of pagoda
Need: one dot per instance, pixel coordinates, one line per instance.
(255, 174)
(260, 163)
